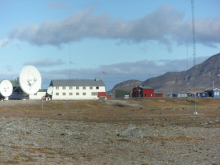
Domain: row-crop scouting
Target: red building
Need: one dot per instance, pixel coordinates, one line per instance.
(109, 96)
(103, 94)
(142, 91)
(158, 94)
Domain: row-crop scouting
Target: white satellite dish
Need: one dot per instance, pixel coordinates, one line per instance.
(6, 88)
(30, 80)
(50, 90)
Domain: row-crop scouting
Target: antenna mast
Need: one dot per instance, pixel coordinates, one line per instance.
(187, 54)
(194, 51)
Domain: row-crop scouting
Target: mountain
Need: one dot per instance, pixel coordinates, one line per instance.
(206, 75)
(125, 85)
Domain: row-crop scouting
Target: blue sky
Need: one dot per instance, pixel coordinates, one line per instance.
(127, 39)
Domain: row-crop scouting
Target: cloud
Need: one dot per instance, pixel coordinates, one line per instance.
(163, 25)
(179, 65)
(91, 5)
(45, 63)
(4, 42)
(57, 5)
(208, 31)
(116, 73)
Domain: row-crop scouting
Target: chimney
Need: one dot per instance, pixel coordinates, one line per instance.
(96, 79)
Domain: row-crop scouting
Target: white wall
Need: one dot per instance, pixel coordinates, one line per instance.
(88, 92)
(37, 96)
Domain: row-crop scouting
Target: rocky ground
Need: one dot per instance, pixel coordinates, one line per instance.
(148, 131)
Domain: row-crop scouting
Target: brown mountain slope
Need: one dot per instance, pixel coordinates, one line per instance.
(125, 85)
(181, 82)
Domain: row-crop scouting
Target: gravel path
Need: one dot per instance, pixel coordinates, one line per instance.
(58, 141)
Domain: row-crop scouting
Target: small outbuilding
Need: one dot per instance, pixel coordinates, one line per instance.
(215, 93)
(142, 91)
(158, 94)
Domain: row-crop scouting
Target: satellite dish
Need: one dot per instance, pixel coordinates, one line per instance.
(50, 90)
(30, 80)
(6, 88)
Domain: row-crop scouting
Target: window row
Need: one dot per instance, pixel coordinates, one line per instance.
(77, 87)
(77, 94)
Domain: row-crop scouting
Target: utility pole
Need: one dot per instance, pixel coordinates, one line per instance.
(194, 52)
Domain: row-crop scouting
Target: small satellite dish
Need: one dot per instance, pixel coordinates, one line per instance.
(50, 90)
(6, 88)
(30, 80)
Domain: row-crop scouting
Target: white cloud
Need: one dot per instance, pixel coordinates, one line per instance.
(4, 42)
(45, 63)
(57, 5)
(163, 25)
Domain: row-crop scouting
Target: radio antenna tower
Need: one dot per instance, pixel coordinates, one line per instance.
(194, 52)
(187, 55)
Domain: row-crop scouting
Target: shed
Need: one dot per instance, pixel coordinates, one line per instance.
(142, 91)
(213, 92)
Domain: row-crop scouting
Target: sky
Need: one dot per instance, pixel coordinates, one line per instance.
(126, 39)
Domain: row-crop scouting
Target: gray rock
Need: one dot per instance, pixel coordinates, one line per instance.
(132, 131)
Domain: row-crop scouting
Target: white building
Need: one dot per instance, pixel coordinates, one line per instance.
(18, 94)
(77, 89)
(39, 95)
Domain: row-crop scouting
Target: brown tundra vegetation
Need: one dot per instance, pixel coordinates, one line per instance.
(119, 132)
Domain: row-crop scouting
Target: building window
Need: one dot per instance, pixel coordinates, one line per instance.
(70, 87)
(64, 94)
(57, 88)
(64, 87)
(57, 94)
(97, 87)
(84, 93)
(145, 95)
(70, 93)
(77, 87)
(90, 87)
(94, 93)
(77, 93)
(35, 94)
(84, 87)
